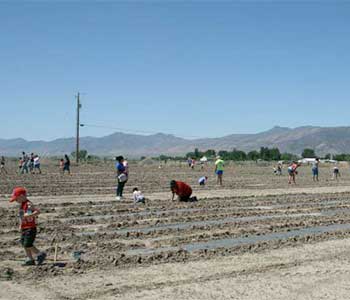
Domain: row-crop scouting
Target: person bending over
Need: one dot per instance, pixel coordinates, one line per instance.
(182, 190)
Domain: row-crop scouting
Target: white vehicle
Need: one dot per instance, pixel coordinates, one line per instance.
(203, 159)
(306, 160)
(332, 161)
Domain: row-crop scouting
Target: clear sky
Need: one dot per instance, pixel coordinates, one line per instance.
(191, 68)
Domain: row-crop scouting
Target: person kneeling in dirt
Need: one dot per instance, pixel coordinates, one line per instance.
(27, 215)
(182, 190)
(278, 170)
(203, 180)
(137, 196)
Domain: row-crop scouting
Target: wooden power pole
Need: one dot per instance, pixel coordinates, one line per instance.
(78, 125)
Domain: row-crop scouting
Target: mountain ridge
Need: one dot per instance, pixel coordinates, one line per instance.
(323, 139)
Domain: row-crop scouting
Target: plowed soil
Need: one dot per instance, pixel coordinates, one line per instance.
(239, 241)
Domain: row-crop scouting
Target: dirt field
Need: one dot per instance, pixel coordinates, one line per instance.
(254, 238)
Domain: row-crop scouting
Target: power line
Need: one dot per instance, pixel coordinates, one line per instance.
(78, 125)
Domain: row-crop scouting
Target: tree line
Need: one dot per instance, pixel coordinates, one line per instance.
(265, 153)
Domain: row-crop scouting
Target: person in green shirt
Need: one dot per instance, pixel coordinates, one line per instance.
(219, 169)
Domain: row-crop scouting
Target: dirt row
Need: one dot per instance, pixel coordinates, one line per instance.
(128, 238)
(95, 232)
(100, 179)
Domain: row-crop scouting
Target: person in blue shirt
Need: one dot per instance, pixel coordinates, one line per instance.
(121, 175)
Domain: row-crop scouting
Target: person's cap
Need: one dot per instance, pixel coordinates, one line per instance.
(218, 157)
(172, 183)
(17, 191)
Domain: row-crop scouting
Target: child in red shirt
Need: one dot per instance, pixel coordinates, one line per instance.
(27, 215)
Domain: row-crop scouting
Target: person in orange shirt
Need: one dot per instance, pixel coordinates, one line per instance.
(182, 190)
(27, 215)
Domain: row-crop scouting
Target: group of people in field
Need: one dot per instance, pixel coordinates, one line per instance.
(292, 171)
(28, 213)
(29, 164)
(191, 162)
(179, 188)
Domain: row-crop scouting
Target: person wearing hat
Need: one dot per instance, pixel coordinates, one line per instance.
(219, 169)
(182, 190)
(27, 216)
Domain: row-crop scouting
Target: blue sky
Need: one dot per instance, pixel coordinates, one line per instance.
(196, 68)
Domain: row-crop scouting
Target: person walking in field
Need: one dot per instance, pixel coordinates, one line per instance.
(36, 163)
(2, 166)
(193, 163)
(66, 164)
(122, 176)
(61, 164)
(292, 171)
(31, 163)
(315, 165)
(182, 190)
(25, 163)
(27, 217)
(189, 162)
(219, 169)
(20, 165)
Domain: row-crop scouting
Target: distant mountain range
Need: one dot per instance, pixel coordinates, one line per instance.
(323, 139)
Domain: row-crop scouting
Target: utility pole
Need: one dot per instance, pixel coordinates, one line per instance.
(78, 125)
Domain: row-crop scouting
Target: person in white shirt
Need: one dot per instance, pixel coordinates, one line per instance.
(36, 164)
(126, 166)
(137, 196)
(203, 180)
(315, 165)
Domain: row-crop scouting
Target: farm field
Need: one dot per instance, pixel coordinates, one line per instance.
(254, 238)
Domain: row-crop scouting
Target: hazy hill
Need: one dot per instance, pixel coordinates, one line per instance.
(323, 139)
